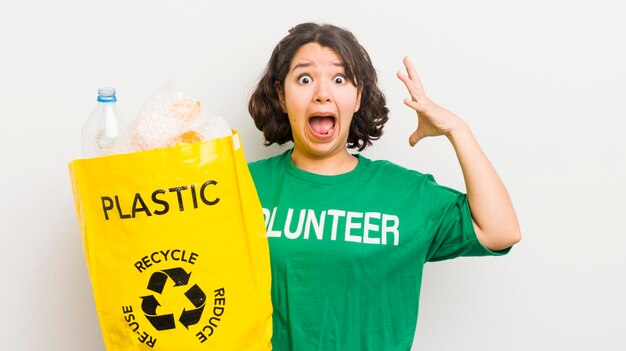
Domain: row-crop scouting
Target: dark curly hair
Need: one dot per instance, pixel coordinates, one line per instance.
(264, 106)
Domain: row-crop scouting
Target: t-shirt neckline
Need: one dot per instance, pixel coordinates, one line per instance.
(294, 171)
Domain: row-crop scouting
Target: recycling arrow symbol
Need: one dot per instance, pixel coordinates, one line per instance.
(194, 294)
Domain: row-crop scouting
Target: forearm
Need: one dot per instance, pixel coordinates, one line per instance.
(492, 211)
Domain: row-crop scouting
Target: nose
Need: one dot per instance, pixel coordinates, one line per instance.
(322, 93)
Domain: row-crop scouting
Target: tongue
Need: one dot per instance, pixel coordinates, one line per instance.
(321, 125)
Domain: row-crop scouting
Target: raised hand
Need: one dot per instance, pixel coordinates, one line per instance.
(432, 119)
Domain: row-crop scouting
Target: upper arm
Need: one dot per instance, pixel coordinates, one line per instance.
(494, 241)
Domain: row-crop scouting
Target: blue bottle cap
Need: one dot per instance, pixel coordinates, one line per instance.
(106, 94)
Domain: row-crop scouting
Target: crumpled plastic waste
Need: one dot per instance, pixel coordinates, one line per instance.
(167, 119)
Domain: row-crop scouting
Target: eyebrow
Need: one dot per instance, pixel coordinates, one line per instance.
(309, 64)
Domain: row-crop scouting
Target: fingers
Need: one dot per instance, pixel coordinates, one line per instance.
(412, 81)
(412, 73)
(412, 104)
(414, 91)
(414, 138)
(417, 135)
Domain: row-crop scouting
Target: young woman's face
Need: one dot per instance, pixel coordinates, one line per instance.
(320, 102)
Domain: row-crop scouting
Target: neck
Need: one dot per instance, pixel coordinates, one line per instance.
(342, 162)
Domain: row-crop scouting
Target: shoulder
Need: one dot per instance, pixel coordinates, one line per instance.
(266, 162)
(391, 170)
(402, 179)
(268, 167)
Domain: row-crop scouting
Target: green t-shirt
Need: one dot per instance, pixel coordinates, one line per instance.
(347, 251)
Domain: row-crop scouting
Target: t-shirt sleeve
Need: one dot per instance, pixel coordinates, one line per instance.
(454, 233)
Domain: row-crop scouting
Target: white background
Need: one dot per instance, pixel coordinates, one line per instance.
(541, 83)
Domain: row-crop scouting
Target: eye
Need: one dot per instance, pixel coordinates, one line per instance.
(304, 79)
(339, 80)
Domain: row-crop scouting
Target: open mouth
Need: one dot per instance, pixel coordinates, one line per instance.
(322, 125)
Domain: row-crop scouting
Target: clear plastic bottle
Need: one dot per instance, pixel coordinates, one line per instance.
(103, 126)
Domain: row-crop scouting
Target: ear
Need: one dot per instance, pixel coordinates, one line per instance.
(281, 95)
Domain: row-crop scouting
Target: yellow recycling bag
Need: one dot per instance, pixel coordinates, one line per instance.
(175, 244)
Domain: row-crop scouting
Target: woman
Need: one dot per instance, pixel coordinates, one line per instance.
(349, 236)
